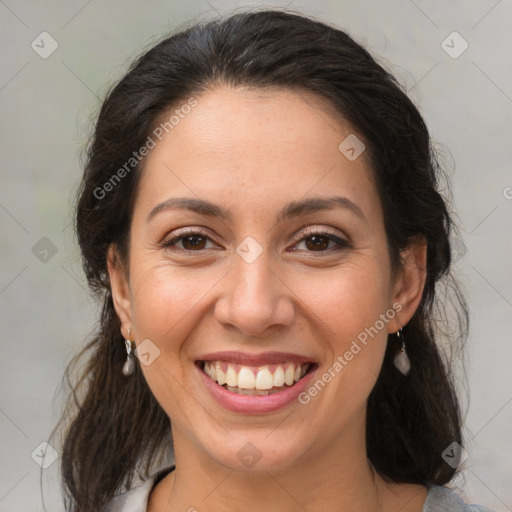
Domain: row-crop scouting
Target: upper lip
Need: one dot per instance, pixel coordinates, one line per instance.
(260, 359)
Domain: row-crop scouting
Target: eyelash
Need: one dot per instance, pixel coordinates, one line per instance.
(307, 233)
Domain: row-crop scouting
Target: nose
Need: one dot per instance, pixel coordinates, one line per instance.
(255, 298)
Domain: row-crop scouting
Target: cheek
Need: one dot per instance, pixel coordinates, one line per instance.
(349, 305)
(162, 300)
(165, 305)
(346, 299)
(343, 306)
(169, 305)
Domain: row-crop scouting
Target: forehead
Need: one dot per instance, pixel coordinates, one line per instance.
(251, 119)
(259, 146)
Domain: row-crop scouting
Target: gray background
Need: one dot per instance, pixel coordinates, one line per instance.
(47, 105)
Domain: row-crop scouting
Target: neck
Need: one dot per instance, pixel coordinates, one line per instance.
(339, 476)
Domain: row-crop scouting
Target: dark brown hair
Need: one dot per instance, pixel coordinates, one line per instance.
(117, 428)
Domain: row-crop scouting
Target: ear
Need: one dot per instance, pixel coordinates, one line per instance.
(120, 287)
(410, 282)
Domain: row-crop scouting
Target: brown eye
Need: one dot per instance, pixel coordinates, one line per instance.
(318, 241)
(191, 240)
(194, 242)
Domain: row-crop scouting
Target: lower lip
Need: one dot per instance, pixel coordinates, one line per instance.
(254, 404)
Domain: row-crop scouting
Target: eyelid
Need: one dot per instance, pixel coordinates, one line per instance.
(177, 235)
(310, 231)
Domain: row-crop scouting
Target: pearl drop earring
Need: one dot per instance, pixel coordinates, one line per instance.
(129, 365)
(401, 360)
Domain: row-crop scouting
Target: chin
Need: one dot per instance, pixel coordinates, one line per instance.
(258, 453)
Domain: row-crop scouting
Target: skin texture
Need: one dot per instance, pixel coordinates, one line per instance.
(252, 151)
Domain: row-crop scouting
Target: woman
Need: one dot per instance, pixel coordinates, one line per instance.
(259, 215)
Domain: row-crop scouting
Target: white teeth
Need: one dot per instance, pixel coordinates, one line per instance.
(247, 380)
(248, 392)
(213, 372)
(231, 376)
(221, 378)
(288, 375)
(279, 376)
(264, 379)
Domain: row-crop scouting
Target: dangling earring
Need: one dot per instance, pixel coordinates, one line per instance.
(401, 360)
(129, 365)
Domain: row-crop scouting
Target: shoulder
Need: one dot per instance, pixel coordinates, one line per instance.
(443, 499)
(136, 499)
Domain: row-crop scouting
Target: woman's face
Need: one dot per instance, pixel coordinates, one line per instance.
(255, 280)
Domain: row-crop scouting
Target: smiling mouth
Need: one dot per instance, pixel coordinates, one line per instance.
(255, 380)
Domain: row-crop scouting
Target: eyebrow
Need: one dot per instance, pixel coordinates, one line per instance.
(290, 210)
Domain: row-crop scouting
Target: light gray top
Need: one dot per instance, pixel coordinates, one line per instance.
(439, 498)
